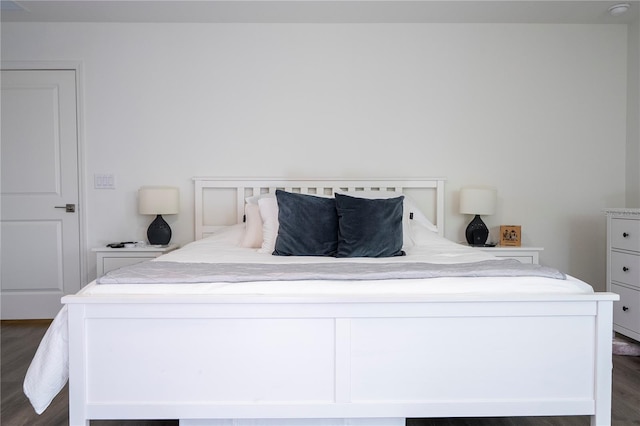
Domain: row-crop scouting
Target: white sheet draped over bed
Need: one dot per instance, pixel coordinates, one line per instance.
(430, 248)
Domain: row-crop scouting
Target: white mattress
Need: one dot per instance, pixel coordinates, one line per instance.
(428, 247)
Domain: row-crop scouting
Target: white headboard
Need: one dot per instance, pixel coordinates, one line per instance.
(220, 201)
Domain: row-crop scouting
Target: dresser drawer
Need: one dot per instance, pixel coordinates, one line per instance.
(625, 268)
(111, 263)
(108, 259)
(626, 311)
(625, 234)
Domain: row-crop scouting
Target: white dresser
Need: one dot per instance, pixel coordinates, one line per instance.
(623, 269)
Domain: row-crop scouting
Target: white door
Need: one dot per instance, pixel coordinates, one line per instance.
(40, 239)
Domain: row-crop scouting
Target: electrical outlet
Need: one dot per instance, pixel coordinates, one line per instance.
(104, 181)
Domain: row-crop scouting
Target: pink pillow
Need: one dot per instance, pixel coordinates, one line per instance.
(252, 237)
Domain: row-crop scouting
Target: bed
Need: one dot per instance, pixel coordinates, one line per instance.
(330, 350)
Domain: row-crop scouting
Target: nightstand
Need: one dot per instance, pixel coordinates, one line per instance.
(523, 254)
(108, 258)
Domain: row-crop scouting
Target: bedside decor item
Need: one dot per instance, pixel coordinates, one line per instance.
(477, 200)
(158, 200)
(510, 235)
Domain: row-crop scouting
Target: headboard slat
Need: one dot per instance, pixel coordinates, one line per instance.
(256, 186)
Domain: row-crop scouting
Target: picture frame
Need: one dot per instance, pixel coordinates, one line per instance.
(510, 235)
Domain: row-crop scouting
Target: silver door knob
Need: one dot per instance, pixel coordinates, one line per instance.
(69, 208)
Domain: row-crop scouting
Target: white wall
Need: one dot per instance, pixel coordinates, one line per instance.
(539, 111)
(633, 117)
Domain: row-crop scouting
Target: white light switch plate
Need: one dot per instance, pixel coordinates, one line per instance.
(104, 181)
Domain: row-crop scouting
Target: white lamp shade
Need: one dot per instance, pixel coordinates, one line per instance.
(478, 200)
(158, 200)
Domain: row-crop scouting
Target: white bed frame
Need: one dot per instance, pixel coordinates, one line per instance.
(336, 360)
(221, 201)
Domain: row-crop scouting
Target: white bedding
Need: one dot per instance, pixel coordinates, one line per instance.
(224, 247)
(49, 369)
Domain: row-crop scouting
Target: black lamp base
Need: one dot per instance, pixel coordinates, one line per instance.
(477, 232)
(159, 232)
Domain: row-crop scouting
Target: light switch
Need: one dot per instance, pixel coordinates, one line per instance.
(104, 181)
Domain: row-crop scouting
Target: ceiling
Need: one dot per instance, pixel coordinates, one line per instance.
(319, 11)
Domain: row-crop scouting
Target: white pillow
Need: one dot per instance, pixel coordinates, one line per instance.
(252, 237)
(422, 235)
(418, 216)
(269, 214)
(255, 198)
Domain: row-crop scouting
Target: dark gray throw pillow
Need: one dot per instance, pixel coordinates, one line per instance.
(369, 227)
(308, 225)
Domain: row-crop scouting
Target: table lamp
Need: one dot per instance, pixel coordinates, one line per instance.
(477, 201)
(158, 200)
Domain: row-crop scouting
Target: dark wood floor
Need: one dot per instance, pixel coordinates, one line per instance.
(20, 340)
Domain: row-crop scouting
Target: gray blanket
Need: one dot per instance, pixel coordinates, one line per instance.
(158, 272)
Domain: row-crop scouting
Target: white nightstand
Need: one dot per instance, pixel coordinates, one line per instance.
(523, 254)
(108, 258)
